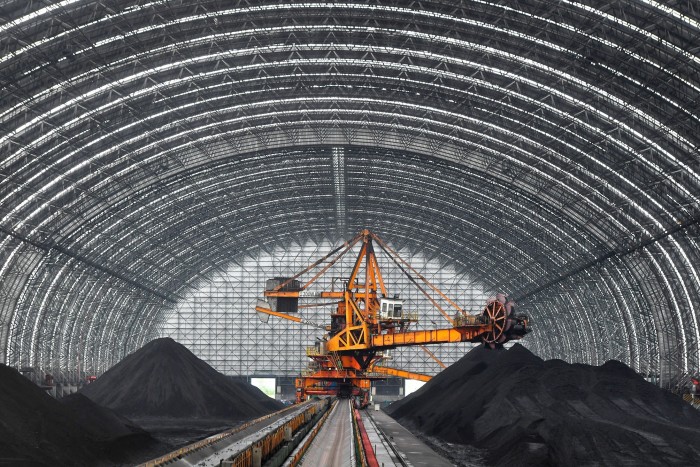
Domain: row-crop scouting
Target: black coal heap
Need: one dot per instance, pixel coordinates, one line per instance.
(527, 411)
(36, 429)
(165, 379)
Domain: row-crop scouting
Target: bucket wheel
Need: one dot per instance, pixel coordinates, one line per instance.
(495, 313)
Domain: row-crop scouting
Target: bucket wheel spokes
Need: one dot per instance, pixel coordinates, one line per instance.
(495, 313)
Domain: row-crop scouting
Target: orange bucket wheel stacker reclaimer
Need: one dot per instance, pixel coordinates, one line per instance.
(366, 321)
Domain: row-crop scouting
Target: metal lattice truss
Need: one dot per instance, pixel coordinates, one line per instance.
(548, 149)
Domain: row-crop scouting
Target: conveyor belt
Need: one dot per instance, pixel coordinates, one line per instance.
(332, 446)
(188, 456)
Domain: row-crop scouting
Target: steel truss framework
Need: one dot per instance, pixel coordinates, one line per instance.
(548, 149)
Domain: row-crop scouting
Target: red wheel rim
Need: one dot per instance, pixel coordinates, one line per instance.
(496, 314)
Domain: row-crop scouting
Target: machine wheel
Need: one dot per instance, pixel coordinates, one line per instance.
(495, 314)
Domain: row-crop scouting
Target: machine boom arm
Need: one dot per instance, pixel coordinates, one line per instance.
(433, 336)
(296, 319)
(385, 370)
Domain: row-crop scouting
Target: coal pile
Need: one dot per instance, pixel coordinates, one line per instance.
(37, 430)
(122, 439)
(526, 411)
(165, 379)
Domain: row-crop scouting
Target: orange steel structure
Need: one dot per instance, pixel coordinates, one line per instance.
(367, 321)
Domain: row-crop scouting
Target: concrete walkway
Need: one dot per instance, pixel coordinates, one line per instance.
(413, 451)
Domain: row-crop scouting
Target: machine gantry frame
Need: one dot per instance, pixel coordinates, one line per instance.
(365, 321)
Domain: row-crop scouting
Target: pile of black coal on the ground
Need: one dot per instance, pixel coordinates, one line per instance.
(176, 396)
(164, 378)
(36, 429)
(527, 411)
(122, 439)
